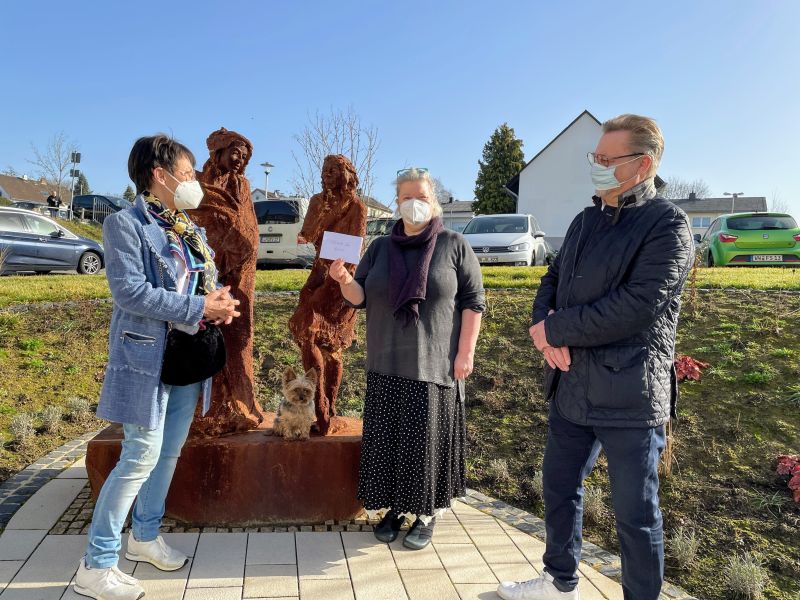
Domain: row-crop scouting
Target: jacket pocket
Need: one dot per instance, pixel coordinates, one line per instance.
(136, 352)
(618, 378)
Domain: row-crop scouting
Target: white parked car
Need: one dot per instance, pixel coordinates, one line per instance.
(507, 240)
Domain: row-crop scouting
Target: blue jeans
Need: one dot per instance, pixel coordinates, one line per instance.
(144, 472)
(633, 455)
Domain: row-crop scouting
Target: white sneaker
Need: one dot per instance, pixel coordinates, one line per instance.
(157, 553)
(106, 584)
(541, 588)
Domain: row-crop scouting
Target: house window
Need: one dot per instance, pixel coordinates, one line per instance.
(701, 221)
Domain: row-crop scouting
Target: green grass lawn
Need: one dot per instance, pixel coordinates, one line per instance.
(15, 289)
(732, 423)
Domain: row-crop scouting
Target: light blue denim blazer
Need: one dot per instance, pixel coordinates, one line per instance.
(142, 276)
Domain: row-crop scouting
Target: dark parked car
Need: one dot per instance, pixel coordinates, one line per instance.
(32, 242)
(95, 207)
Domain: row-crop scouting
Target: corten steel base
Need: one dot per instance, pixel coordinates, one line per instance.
(253, 478)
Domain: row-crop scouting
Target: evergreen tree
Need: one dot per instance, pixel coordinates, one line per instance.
(81, 185)
(502, 160)
(129, 194)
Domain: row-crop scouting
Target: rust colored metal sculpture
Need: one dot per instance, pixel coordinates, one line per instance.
(323, 324)
(229, 219)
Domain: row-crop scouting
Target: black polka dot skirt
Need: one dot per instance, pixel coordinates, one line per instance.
(412, 455)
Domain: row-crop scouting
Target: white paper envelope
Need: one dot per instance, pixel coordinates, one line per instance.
(339, 245)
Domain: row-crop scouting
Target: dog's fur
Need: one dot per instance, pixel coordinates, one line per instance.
(296, 411)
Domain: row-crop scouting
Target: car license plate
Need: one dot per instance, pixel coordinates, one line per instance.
(487, 259)
(766, 258)
(270, 239)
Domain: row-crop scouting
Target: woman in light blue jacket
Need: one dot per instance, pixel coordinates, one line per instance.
(161, 272)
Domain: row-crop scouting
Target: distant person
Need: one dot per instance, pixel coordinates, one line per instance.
(605, 317)
(53, 203)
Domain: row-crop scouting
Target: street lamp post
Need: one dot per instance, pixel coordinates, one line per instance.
(267, 169)
(734, 196)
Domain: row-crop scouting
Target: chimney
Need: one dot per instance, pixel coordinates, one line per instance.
(692, 196)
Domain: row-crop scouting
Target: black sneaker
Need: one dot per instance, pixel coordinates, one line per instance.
(389, 527)
(419, 535)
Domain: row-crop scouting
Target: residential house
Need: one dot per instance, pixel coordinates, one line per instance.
(556, 185)
(703, 211)
(258, 195)
(21, 188)
(457, 214)
(376, 210)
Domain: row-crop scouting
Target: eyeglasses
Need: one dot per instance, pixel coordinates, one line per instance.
(417, 169)
(606, 160)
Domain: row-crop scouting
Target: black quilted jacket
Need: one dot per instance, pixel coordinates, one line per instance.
(616, 286)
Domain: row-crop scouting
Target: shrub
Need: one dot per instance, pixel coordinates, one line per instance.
(683, 546)
(745, 576)
(498, 469)
(79, 410)
(593, 505)
(22, 428)
(537, 485)
(51, 418)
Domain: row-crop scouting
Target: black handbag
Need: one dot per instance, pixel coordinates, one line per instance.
(191, 358)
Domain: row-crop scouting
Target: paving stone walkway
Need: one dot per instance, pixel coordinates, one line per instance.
(480, 542)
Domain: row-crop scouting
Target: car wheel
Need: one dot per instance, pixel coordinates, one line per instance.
(710, 259)
(89, 264)
(42, 272)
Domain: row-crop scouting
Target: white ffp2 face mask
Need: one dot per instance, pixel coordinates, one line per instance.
(416, 211)
(188, 195)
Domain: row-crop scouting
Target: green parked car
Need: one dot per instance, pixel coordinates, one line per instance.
(750, 239)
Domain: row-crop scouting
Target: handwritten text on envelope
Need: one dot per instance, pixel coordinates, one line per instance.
(338, 245)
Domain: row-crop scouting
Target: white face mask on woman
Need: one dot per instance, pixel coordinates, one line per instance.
(188, 195)
(415, 211)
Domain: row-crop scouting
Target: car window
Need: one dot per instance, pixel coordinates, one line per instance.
(82, 202)
(277, 212)
(40, 226)
(497, 225)
(761, 223)
(12, 222)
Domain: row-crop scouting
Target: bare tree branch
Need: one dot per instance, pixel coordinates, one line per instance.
(338, 132)
(54, 161)
(777, 203)
(677, 188)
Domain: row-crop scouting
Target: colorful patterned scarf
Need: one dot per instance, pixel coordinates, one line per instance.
(187, 244)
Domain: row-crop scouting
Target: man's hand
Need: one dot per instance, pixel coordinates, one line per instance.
(557, 358)
(301, 240)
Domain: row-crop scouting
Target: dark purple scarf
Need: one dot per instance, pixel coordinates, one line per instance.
(407, 290)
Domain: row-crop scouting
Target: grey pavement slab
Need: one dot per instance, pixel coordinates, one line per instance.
(271, 581)
(219, 561)
(49, 570)
(43, 509)
(19, 544)
(321, 556)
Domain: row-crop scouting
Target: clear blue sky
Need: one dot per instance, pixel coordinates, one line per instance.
(436, 78)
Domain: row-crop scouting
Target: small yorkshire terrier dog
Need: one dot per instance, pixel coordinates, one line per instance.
(296, 411)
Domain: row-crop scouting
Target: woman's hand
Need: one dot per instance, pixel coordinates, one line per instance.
(220, 307)
(301, 240)
(462, 368)
(339, 273)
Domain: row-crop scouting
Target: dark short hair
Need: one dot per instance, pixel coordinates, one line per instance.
(154, 151)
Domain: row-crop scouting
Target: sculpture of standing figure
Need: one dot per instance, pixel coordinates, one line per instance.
(229, 218)
(323, 324)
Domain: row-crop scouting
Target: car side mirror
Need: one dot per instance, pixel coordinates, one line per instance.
(697, 237)
(538, 234)
(57, 234)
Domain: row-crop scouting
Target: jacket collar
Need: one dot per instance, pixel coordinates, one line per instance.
(637, 195)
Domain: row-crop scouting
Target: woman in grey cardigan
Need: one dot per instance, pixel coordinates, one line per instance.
(423, 292)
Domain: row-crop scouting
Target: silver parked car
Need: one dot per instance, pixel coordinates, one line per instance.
(507, 240)
(32, 242)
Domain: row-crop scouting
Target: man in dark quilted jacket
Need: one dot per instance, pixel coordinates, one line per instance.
(605, 318)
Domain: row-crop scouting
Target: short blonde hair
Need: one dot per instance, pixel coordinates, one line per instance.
(415, 174)
(645, 133)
